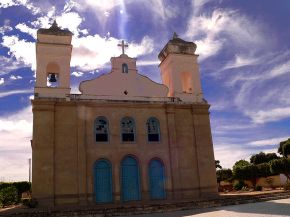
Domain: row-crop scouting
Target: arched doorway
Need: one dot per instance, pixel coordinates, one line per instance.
(156, 177)
(103, 181)
(130, 180)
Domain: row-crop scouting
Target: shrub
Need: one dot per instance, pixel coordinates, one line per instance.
(258, 188)
(287, 186)
(8, 196)
(31, 202)
(224, 175)
(239, 185)
(245, 188)
(20, 186)
(281, 166)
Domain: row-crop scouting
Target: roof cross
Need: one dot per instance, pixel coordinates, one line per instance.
(123, 45)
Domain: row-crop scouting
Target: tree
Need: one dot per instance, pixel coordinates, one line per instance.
(8, 196)
(264, 170)
(263, 158)
(281, 166)
(248, 172)
(284, 148)
(217, 164)
(240, 163)
(224, 175)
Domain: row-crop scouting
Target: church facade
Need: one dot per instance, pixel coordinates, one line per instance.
(125, 138)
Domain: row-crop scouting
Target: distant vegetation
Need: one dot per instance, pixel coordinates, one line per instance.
(260, 165)
(10, 192)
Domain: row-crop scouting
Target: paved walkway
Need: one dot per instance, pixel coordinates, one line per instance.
(274, 208)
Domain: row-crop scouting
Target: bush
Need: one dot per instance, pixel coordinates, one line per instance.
(287, 186)
(20, 186)
(238, 186)
(8, 196)
(31, 202)
(245, 188)
(258, 188)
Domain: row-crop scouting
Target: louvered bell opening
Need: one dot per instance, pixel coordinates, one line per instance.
(52, 78)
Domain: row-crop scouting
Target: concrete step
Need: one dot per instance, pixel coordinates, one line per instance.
(97, 211)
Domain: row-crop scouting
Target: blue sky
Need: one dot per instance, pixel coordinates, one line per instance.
(243, 47)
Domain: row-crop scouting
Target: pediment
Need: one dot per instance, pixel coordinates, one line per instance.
(122, 81)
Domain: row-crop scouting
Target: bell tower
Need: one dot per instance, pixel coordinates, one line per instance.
(53, 55)
(180, 70)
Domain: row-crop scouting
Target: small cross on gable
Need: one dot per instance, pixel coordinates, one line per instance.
(123, 45)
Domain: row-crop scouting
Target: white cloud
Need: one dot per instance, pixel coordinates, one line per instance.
(15, 149)
(276, 114)
(2, 81)
(208, 47)
(69, 5)
(13, 92)
(26, 3)
(6, 27)
(159, 10)
(272, 141)
(15, 77)
(148, 62)
(280, 70)
(22, 50)
(212, 32)
(103, 5)
(227, 157)
(26, 29)
(67, 20)
(77, 74)
(45, 21)
(71, 21)
(261, 92)
(8, 3)
(91, 52)
(197, 5)
(9, 64)
(241, 61)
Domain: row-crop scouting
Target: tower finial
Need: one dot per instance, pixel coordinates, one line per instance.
(175, 35)
(54, 25)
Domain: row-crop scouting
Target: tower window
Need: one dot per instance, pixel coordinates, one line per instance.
(52, 79)
(153, 130)
(124, 68)
(128, 129)
(53, 74)
(101, 129)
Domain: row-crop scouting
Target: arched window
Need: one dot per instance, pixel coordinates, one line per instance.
(101, 129)
(128, 129)
(153, 130)
(52, 71)
(124, 68)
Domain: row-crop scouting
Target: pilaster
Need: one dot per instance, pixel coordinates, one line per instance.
(204, 151)
(173, 152)
(43, 188)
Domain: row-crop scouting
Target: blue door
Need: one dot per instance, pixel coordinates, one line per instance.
(103, 181)
(156, 176)
(130, 183)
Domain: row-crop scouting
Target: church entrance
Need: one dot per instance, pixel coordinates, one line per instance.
(130, 180)
(156, 177)
(103, 181)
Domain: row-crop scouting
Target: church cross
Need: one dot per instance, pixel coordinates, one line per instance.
(123, 45)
